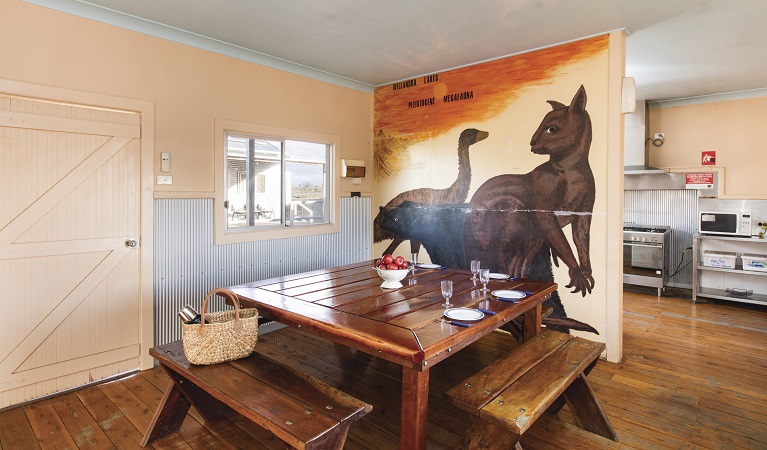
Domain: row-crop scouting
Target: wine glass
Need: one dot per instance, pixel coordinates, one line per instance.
(447, 292)
(413, 261)
(484, 278)
(474, 269)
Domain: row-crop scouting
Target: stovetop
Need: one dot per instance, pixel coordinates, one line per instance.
(660, 229)
(655, 234)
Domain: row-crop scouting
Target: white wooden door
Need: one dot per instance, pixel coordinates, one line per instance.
(69, 285)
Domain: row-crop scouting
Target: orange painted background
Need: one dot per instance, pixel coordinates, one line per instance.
(494, 85)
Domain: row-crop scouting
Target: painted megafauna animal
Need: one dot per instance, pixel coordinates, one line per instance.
(440, 229)
(522, 212)
(456, 193)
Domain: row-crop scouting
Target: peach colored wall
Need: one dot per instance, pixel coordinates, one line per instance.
(733, 128)
(189, 87)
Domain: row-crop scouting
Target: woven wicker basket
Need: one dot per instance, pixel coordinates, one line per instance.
(221, 336)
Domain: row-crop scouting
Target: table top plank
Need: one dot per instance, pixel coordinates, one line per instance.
(364, 286)
(411, 286)
(389, 342)
(461, 286)
(327, 286)
(285, 281)
(411, 297)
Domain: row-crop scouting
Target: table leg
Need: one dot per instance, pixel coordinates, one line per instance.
(415, 399)
(532, 322)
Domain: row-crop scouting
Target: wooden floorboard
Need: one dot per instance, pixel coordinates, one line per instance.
(693, 376)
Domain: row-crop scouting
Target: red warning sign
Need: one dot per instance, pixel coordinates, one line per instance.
(708, 158)
(699, 181)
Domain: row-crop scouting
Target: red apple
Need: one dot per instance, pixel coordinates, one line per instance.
(392, 266)
(399, 260)
(387, 259)
(404, 265)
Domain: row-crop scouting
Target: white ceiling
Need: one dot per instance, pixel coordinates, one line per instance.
(675, 48)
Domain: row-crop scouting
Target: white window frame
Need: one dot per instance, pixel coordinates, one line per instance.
(224, 235)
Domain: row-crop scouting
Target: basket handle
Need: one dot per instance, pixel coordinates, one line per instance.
(224, 293)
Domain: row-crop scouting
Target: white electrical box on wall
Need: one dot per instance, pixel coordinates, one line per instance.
(165, 162)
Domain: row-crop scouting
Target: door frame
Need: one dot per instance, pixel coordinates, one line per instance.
(146, 194)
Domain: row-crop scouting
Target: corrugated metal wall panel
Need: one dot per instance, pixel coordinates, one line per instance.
(188, 265)
(676, 208)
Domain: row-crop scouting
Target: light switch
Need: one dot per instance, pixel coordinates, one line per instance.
(165, 162)
(164, 179)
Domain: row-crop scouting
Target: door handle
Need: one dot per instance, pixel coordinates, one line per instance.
(131, 243)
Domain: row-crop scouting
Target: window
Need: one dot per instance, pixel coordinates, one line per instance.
(276, 183)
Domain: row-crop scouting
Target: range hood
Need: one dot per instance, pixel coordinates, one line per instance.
(641, 170)
(635, 146)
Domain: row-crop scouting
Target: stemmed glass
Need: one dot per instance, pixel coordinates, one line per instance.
(413, 261)
(484, 278)
(447, 292)
(474, 269)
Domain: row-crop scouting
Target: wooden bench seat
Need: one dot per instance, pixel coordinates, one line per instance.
(508, 396)
(299, 409)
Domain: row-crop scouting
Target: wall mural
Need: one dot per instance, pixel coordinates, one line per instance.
(513, 222)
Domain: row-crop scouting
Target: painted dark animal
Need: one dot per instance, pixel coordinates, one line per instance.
(456, 193)
(440, 230)
(513, 216)
(438, 227)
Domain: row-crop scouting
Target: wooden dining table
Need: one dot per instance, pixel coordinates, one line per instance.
(405, 325)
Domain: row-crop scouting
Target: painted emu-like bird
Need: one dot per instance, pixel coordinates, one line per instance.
(456, 193)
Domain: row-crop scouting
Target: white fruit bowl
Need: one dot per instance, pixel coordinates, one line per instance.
(392, 278)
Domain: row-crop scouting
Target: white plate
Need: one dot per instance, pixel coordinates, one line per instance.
(499, 276)
(429, 266)
(464, 314)
(511, 295)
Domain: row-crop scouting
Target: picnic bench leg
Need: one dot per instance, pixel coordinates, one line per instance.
(171, 412)
(208, 406)
(333, 440)
(487, 436)
(415, 397)
(169, 416)
(560, 401)
(586, 409)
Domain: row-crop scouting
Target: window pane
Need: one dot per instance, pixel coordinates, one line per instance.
(254, 175)
(306, 182)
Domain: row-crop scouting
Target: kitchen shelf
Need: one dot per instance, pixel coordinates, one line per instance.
(738, 269)
(719, 278)
(759, 299)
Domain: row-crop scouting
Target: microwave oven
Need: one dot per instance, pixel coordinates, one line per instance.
(725, 223)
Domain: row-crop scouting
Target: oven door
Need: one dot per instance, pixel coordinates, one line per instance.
(641, 258)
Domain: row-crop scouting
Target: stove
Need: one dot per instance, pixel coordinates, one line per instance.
(645, 233)
(645, 255)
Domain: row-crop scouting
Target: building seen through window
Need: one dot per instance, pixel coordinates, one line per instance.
(276, 183)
